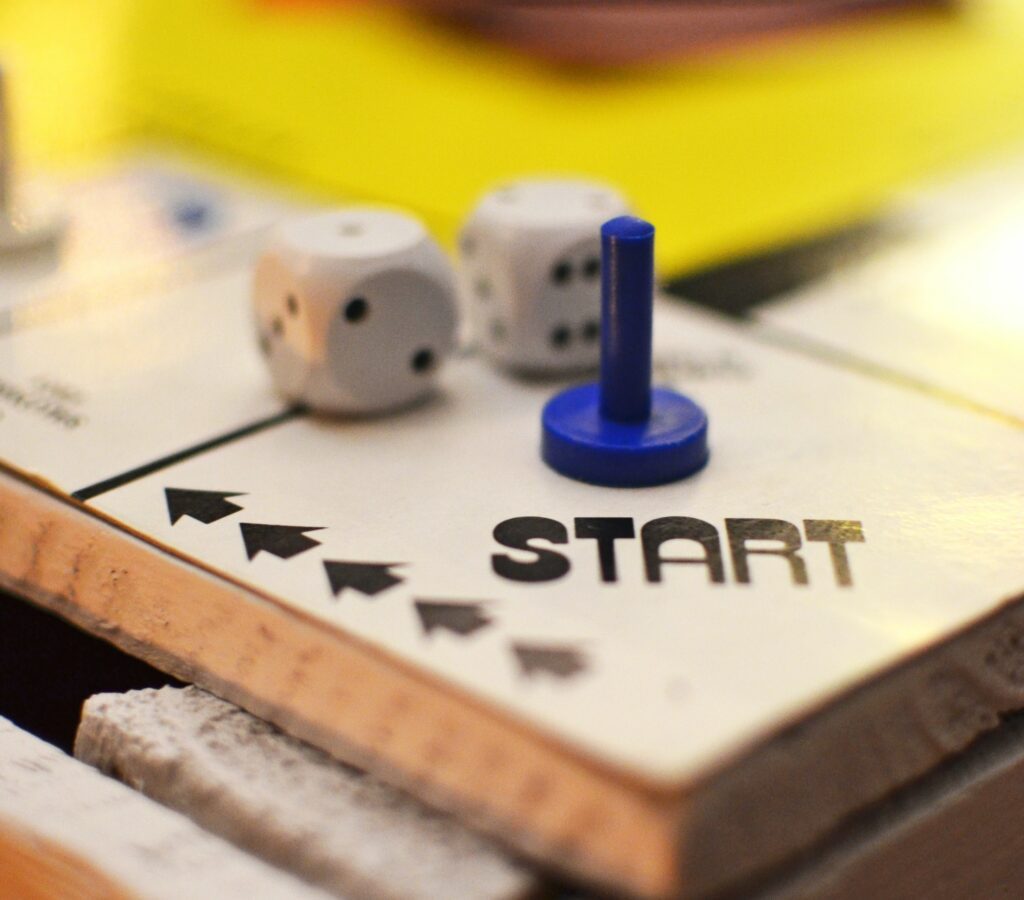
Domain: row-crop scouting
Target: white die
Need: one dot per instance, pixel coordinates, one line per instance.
(355, 310)
(530, 273)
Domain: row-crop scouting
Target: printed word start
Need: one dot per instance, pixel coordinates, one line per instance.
(535, 560)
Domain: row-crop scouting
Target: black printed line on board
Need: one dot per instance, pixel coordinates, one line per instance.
(109, 484)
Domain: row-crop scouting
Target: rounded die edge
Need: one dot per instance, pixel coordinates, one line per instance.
(549, 203)
(350, 234)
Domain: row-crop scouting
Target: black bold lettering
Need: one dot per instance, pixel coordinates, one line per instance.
(606, 532)
(517, 534)
(742, 530)
(670, 528)
(837, 533)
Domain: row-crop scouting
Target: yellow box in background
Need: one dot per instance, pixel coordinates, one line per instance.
(726, 154)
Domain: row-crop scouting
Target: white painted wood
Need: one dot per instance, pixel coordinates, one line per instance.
(239, 777)
(57, 804)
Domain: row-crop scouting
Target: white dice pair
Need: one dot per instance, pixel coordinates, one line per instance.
(356, 309)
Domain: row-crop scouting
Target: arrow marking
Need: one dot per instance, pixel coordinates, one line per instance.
(284, 541)
(459, 618)
(367, 578)
(203, 506)
(558, 661)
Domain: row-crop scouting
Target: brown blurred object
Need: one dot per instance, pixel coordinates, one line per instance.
(610, 32)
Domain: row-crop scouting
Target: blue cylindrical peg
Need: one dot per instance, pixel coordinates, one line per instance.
(627, 309)
(621, 431)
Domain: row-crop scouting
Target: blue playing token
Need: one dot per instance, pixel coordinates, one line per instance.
(620, 432)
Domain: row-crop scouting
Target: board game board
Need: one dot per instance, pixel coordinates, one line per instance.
(665, 690)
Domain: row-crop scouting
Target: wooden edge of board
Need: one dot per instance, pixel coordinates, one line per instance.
(35, 868)
(339, 694)
(786, 792)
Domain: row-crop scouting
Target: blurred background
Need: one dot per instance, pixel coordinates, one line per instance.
(736, 126)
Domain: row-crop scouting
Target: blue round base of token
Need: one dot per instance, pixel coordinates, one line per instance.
(579, 443)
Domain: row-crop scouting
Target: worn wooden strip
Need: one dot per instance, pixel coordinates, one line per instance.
(287, 802)
(67, 831)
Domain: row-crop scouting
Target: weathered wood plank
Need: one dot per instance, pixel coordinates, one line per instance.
(287, 802)
(67, 831)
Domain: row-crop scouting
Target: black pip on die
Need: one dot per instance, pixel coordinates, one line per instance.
(530, 273)
(355, 310)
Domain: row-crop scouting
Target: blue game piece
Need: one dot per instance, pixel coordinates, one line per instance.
(620, 432)
(191, 214)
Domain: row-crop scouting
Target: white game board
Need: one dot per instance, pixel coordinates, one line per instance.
(900, 508)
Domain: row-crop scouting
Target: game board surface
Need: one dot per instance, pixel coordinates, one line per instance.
(847, 520)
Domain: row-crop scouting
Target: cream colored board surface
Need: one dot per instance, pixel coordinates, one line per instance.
(92, 395)
(155, 258)
(663, 679)
(942, 301)
(672, 675)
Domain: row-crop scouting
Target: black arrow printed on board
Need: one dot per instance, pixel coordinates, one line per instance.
(203, 506)
(462, 619)
(367, 578)
(283, 541)
(559, 661)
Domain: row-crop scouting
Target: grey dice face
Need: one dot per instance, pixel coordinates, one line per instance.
(530, 273)
(355, 310)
